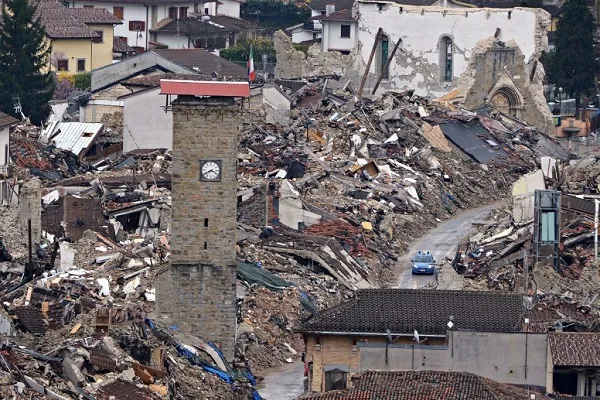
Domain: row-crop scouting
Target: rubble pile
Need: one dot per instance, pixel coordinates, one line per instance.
(327, 202)
(501, 255)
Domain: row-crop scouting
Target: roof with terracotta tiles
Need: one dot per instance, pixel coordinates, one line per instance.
(94, 16)
(59, 23)
(343, 15)
(425, 385)
(7, 120)
(575, 349)
(424, 310)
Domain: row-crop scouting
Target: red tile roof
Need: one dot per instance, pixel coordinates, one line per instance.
(575, 349)
(205, 88)
(425, 385)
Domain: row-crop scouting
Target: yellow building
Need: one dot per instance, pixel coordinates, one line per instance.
(81, 38)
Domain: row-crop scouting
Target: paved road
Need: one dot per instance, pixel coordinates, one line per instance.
(442, 242)
(283, 383)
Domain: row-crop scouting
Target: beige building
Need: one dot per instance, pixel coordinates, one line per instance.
(82, 39)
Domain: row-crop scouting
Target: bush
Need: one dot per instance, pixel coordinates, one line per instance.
(301, 47)
(83, 81)
(240, 52)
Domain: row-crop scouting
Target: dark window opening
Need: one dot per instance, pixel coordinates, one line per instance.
(206, 10)
(63, 65)
(446, 58)
(6, 154)
(80, 65)
(345, 31)
(335, 380)
(100, 38)
(172, 12)
(384, 49)
(183, 11)
(86, 6)
(118, 12)
(206, 222)
(565, 382)
(205, 245)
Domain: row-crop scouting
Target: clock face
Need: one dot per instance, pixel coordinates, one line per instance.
(211, 171)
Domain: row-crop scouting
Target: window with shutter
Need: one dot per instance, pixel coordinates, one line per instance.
(172, 12)
(118, 12)
(137, 25)
(183, 12)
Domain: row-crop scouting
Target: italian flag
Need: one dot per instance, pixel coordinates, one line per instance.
(251, 73)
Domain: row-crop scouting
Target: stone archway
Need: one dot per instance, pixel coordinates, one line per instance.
(507, 100)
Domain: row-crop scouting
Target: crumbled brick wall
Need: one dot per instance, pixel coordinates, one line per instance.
(197, 293)
(72, 216)
(30, 207)
(81, 214)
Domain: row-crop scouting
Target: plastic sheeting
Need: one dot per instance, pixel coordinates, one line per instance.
(252, 274)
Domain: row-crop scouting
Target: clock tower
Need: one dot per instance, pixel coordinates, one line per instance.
(197, 292)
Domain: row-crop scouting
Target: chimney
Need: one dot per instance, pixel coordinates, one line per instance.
(329, 9)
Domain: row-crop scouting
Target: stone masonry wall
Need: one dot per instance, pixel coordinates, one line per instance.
(30, 207)
(197, 292)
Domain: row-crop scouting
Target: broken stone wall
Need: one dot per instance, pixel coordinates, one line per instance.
(498, 74)
(30, 207)
(417, 63)
(294, 64)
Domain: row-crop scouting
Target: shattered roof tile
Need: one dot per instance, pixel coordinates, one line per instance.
(424, 310)
(124, 390)
(575, 349)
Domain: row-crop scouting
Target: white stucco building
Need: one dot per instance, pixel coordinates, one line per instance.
(7, 195)
(139, 17)
(436, 42)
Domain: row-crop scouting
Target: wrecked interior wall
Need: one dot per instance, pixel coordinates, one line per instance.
(294, 64)
(71, 216)
(498, 74)
(418, 63)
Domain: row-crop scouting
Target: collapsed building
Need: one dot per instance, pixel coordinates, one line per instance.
(478, 55)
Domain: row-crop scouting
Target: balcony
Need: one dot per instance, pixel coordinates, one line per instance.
(312, 26)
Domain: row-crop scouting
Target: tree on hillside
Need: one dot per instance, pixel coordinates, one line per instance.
(274, 14)
(24, 52)
(573, 64)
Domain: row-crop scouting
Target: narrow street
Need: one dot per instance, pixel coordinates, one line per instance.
(441, 242)
(283, 383)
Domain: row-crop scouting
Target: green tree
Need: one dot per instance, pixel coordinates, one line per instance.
(573, 64)
(274, 14)
(24, 52)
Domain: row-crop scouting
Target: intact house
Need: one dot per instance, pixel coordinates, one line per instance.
(140, 16)
(311, 30)
(129, 91)
(81, 41)
(482, 55)
(207, 32)
(490, 334)
(7, 194)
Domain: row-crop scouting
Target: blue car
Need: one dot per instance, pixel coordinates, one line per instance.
(423, 263)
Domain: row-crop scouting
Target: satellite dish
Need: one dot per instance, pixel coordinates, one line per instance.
(205, 18)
